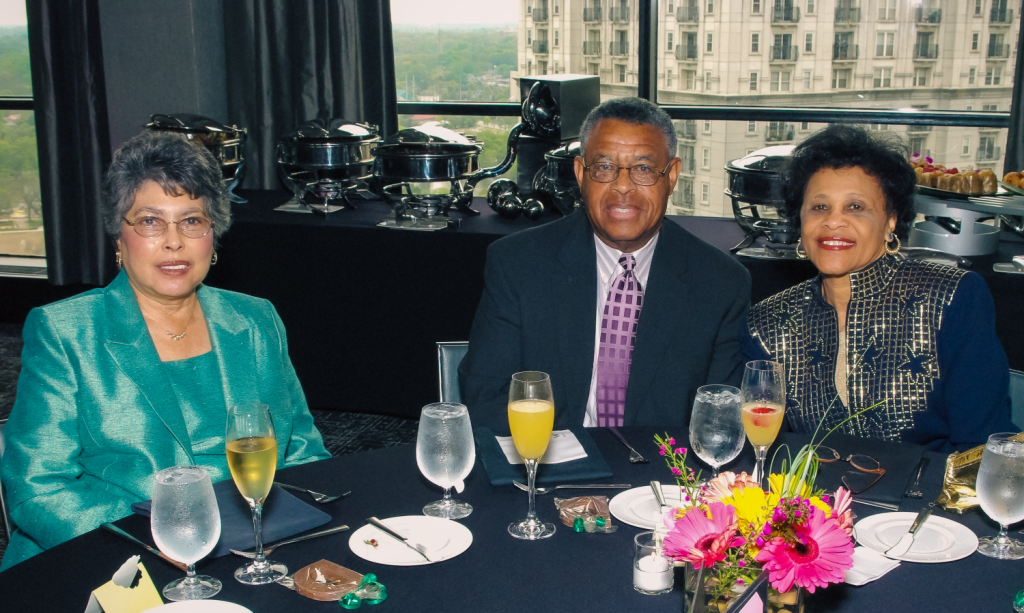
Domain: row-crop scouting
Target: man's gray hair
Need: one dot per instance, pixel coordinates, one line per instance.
(634, 111)
(180, 166)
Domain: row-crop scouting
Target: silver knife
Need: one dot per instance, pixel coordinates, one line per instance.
(903, 546)
(418, 548)
(251, 553)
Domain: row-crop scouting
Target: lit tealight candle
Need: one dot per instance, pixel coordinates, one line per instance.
(652, 574)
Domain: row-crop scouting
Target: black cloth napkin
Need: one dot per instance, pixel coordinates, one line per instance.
(284, 515)
(500, 472)
(898, 459)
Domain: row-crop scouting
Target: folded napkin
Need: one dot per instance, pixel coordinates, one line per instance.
(898, 459)
(284, 515)
(500, 472)
(868, 565)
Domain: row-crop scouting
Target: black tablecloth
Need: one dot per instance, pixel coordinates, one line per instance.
(568, 572)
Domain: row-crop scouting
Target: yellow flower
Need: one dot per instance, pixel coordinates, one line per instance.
(775, 485)
(818, 502)
(753, 507)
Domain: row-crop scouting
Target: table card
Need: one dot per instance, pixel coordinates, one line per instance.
(564, 447)
(131, 590)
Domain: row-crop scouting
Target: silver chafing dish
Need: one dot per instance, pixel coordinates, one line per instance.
(324, 162)
(755, 188)
(224, 142)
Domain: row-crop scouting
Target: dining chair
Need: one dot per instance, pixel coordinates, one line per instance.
(1017, 398)
(3, 497)
(449, 356)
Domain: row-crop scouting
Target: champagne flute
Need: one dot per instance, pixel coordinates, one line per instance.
(185, 521)
(1001, 493)
(764, 406)
(531, 415)
(252, 458)
(445, 453)
(716, 427)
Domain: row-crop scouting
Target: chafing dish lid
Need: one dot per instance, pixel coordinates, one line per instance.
(569, 151)
(769, 159)
(333, 130)
(187, 122)
(430, 132)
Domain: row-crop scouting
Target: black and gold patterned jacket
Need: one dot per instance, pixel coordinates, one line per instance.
(920, 337)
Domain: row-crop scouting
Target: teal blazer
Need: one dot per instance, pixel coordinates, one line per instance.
(95, 416)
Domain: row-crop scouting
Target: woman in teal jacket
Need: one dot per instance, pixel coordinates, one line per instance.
(120, 382)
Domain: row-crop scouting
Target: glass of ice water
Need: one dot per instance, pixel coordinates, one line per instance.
(445, 454)
(1001, 493)
(716, 425)
(186, 527)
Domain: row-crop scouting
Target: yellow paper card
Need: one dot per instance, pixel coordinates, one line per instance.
(116, 599)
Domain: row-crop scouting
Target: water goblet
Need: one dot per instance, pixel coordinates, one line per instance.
(1001, 493)
(531, 416)
(185, 521)
(716, 425)
(252, 459)
(445, 453)
(764, 405)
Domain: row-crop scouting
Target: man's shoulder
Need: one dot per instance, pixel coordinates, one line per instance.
(687, 246)
(540, 241)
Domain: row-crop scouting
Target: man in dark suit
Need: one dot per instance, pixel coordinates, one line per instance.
(628, 314)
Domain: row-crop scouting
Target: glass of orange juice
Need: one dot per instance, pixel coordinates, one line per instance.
(531, 415)
(763, 397)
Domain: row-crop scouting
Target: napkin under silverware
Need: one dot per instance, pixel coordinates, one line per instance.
(868, 565)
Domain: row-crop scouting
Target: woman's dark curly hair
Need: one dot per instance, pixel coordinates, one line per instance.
(884, 157)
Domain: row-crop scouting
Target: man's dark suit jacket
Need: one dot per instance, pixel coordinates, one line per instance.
(538, 312)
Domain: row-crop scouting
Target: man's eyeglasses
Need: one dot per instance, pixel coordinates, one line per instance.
(151, 227)
(642, 174)
(869, 469)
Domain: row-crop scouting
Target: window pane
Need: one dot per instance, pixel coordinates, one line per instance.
(21, 222)
(15, 78)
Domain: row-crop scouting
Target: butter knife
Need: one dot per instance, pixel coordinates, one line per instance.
(121, 533)
(903, 546)
(418, 548)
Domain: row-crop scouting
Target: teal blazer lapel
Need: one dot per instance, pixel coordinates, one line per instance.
(577, 312)
(232, 342)
(133, 351)
(667, 305)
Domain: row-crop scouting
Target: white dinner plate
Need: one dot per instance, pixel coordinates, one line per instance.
(638, 506)
(443, 538)
(938, 540)
(199, 606)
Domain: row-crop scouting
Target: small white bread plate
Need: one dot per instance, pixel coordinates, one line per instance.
(443, 538)
(938, 540)
(199, 606)
(638, 507)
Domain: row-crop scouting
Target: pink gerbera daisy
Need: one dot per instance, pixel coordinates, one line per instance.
(726, 483)
(702, 540)
(821, 556)
(841, 510)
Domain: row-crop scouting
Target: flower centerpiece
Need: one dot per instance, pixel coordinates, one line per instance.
(735, 528)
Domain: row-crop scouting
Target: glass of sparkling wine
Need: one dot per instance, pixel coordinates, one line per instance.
(764, 405)
(186, 527)
(252, 458)
(445, 453)
(716, 428)
(531, 415)
(1001, 493)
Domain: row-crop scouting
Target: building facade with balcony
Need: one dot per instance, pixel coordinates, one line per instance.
(932, 54)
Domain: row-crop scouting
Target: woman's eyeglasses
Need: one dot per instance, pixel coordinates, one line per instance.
(869, 469)
(151, 227)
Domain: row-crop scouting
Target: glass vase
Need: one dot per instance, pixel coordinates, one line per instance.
(716, 601)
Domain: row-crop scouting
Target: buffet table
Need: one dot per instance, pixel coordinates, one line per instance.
(366, 304)
(568, 572)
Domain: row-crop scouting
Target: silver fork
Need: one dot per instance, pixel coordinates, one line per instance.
(317, 496)
(634, 455)
(912, 491)
(271, 547)
(548, 490)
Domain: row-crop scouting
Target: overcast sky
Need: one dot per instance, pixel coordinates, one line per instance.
(430, 12)
(12, 13)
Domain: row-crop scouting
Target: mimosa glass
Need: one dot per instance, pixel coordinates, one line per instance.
(531, 415)
(1001, 493)
(764, 406)
(252, 458)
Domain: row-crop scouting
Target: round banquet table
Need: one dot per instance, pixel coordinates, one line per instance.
(568, 572)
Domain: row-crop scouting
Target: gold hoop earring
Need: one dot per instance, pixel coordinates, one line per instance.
(891, 250)
(801, 255)
(213, 260)
(117, 259)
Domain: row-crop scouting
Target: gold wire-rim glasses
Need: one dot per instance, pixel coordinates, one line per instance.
(859, 461)
(161, 225)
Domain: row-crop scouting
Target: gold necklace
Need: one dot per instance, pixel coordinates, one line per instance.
(176, 337)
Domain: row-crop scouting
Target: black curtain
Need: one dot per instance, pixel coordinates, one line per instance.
(1013, 161)
(73, 137)
(288, 62)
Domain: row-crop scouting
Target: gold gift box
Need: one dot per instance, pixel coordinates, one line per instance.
(958, 485)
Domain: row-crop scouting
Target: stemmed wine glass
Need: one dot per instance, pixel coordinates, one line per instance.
(252, 458)
(764, 406)
(1001, 493)
(716, 428)
(445, 453)
(185, 521)
(531, 415)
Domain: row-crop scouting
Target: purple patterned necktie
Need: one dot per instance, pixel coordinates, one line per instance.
(618, 336)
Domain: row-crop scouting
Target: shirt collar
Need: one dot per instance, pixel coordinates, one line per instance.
(608, 260)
